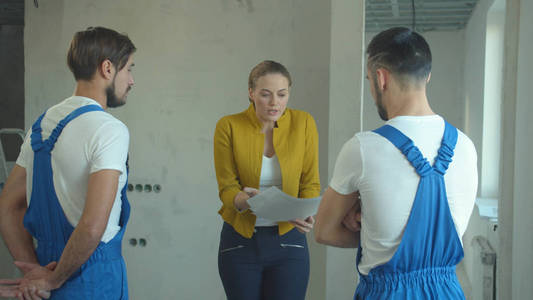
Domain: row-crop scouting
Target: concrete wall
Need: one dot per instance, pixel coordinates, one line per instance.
(505, 272)
(191, 68)
(523, 207)
(511, 241)
(475, 72)
(347, 34)
(516, 231)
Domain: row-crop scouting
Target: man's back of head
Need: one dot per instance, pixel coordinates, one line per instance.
(90, 47)
(399, 67)
(403, 52)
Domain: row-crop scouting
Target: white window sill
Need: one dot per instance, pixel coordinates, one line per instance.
(488, 208)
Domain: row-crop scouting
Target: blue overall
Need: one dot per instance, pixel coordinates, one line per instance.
(103, 275)
(423, 266)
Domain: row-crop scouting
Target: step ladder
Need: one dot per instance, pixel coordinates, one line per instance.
(6, 166)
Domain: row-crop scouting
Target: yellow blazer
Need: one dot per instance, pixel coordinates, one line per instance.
(238, 149)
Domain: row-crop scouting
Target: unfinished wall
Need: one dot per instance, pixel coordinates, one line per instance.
(475, 97)
(522, 223)
(515, 208)
(192, 66)
(347, 34)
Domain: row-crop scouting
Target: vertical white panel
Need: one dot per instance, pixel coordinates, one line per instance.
(346, 74)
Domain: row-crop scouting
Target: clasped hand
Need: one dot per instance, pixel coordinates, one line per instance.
(33, 286)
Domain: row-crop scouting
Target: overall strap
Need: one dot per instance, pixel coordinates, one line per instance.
(36, 136)
(51, 141)
(407, 147)
(359, 256)
(446, 151)
(125, 208)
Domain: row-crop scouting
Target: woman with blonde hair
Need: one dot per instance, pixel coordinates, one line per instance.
(266, 145)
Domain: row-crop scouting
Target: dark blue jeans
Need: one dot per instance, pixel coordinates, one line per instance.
(266, 267)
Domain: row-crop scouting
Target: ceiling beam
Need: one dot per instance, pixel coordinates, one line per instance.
(449, 18)
(420, 28)
(395, 8)
(466, 10)
(425, 4)
(430, 14)
(433, 14)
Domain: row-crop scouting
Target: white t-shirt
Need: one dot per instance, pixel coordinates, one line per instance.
(270, 176)
(91, 142)
(387, 182)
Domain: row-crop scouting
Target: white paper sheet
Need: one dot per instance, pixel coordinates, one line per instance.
(275, 205)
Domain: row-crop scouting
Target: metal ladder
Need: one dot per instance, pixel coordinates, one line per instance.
(5, 166)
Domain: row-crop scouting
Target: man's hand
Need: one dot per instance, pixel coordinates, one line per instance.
(303, 226)
(331, 228)
(35, 285)
(32, 286)
(36, 289)
(352, 220)
(9, 288)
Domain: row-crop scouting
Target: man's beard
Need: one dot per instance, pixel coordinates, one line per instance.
(379, 103)
(112, 99)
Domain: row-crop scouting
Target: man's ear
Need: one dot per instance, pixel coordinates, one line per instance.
(429, 77)
(106, 69)
(383, 77)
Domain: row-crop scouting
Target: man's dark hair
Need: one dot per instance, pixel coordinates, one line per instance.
(403, 52)
(89, 48)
